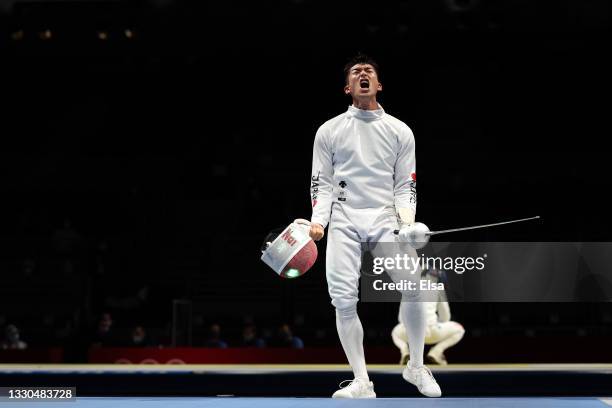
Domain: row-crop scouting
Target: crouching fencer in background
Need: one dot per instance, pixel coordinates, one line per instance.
(441, 333)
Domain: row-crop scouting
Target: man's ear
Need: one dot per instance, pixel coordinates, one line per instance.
(347, 90)
(379, 86)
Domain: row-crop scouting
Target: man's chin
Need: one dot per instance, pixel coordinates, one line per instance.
(367, 94)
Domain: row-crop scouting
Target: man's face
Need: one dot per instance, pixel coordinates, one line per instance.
(362, 81)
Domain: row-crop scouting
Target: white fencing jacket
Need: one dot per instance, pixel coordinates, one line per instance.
(364, 161)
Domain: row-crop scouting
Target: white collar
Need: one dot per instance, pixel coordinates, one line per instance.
(366, 114)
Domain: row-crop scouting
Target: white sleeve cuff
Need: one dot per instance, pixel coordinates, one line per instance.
(321, 222)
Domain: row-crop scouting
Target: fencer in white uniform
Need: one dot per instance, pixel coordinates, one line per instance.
(363, 188)
(441, 333)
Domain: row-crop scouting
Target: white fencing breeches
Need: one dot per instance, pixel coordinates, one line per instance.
(346, 242)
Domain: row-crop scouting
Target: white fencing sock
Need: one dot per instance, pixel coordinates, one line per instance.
(412, 312)
(350, 332)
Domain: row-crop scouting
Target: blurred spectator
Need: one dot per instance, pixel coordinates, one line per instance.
(12, 340)
(267, 336)
(249, 337)
(214, 337)
(104, 334)
(285, 338)
(139, 338)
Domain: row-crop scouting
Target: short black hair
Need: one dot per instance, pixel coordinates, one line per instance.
(360, 58)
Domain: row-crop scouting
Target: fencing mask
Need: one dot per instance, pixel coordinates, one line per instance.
(290, 252)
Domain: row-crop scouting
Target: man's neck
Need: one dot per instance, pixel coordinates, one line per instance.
(365, 104)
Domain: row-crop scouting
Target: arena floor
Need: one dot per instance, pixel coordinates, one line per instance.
(309, 386)
(228, 402)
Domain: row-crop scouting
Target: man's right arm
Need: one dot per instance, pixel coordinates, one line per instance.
(321, 183)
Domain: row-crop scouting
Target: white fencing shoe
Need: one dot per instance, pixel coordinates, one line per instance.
(357, 388)
(423, 379)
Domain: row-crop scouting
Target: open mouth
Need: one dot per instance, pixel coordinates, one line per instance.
(364, 83)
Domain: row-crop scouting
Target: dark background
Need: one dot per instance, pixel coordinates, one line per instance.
(171, 149)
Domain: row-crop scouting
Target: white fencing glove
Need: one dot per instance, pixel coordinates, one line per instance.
(406, 233)
(406, 215)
